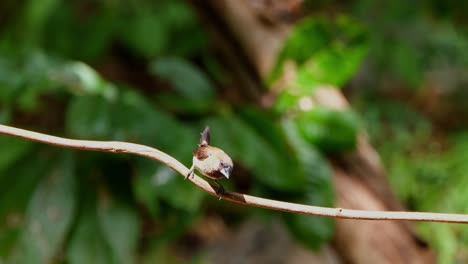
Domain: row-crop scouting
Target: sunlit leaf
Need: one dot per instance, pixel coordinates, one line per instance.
(82, 79)
(330, 130)
(323, 52)
(286, 101)
(329, 67)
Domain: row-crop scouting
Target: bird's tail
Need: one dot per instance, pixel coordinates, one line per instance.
(205, 137)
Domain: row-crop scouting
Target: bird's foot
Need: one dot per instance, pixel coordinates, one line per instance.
(220, 190)
(190, 173)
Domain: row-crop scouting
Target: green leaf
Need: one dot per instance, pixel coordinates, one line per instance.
(328, 129)
(286, 101)
(186, 79)
(87, 243)
(156, 180)
(17, 148)
(324, 53)
(146, 33)
(265, 124)
(24, 78)
(89, 117)
(120, 228)
(318, 186)
(20, 181)
(49, 214)
(312, 231)
(144, 187)
(408, 64)
(130, 117)
(35, 14)
(329, 67)
(80, 78)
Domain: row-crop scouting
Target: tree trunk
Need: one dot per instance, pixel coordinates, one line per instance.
(248, 36)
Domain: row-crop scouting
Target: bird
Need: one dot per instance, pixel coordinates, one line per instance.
(211, 161)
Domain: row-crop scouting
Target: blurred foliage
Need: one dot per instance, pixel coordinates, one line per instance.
(162, 85)
(411, 40)
(323, 53)
(144, 72)
(427, 175)
(412, 96)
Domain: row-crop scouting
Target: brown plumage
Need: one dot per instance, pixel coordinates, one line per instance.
(211, 161)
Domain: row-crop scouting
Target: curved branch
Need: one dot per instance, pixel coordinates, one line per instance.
(148, 152)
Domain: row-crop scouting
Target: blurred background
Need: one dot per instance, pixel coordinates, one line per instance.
(293, 90)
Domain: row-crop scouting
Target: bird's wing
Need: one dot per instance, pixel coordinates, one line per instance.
(201, 153)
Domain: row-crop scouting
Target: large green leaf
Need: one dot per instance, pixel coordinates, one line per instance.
(310, 230)
(329, 67)
(146, 33)
(155, 180)
(19, 182)
(186, 79)
(128, 118)
(265, 124)
(120, 227)
(131, 118)
(49, 214)
(324, 53)
(144, 186)
(316, 168)
(87, 242)
(89, 117)
(24, 78)
(80, 78)
(156, 27)
(328, 129)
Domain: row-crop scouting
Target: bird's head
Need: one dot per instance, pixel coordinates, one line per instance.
(226, 167)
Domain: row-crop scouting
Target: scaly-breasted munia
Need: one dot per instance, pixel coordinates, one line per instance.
(211, 161)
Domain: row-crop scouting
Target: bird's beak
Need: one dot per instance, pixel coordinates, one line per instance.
(226, 171)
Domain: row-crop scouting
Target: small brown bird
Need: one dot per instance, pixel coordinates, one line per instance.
(211, 161)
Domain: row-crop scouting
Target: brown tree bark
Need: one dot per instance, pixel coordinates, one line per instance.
(248, 35)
